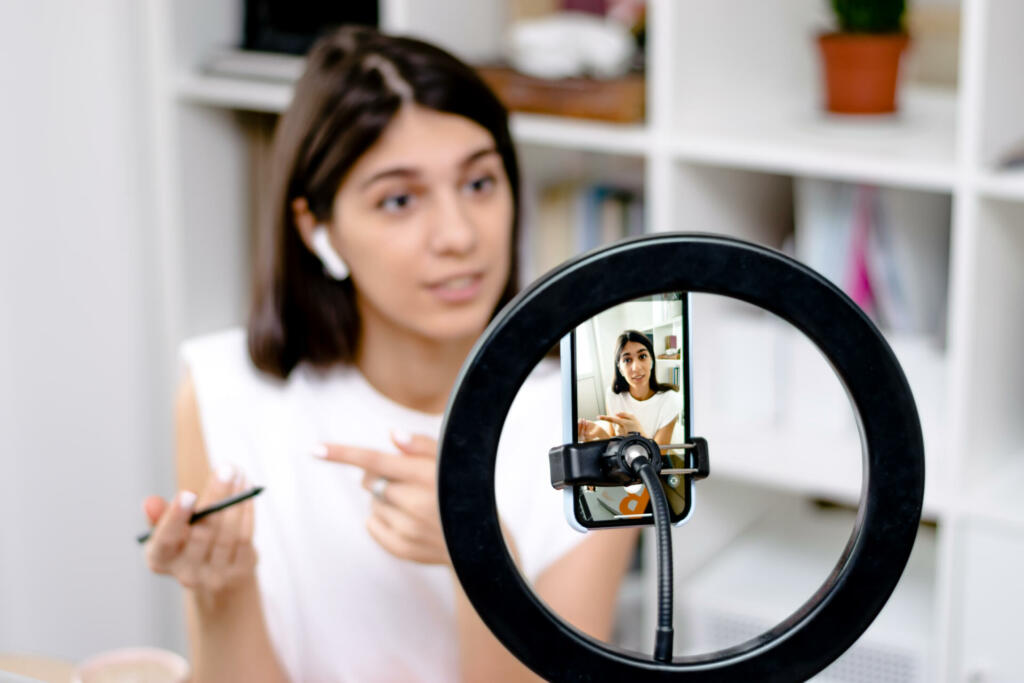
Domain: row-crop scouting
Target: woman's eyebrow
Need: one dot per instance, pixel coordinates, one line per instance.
(400, 172)
(477, 155)
(409, 172)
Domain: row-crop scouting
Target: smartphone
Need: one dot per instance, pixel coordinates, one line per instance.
(628, 369)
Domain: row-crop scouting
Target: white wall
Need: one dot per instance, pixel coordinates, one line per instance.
(83, 434)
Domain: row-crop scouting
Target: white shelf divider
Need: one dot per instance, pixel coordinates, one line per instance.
(914, 149)
(247, 94)
(1008, 185)
(580, 134)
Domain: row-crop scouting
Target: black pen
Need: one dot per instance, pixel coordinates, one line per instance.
(216, 507)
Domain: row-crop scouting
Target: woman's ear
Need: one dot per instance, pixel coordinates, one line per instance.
(304, 220)
(317, 239)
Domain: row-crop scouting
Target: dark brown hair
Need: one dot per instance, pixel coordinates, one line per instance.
(619, 384)
(355, 81)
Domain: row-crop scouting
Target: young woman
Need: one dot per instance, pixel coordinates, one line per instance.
(637, 401)
(393, 215)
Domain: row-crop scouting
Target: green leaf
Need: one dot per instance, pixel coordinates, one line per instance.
(870, 16)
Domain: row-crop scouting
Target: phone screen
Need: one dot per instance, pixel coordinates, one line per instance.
(630, 372)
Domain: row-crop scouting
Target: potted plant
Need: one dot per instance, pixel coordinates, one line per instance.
(861, 59)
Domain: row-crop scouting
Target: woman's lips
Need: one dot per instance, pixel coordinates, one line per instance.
(457, 289)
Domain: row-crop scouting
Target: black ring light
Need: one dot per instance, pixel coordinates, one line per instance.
(523, 332)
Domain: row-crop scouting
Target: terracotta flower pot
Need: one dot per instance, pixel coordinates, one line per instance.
(861, 71)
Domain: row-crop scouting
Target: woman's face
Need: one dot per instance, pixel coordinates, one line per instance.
(424, 221)
(635, 365)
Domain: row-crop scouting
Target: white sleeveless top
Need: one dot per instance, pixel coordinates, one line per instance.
(338, 607)
(653, 413)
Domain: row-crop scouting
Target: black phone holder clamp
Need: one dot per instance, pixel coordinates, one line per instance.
(609, 462)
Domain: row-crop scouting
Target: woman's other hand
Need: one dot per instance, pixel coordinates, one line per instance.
(404, 516)
(588, 430)
(625, 422)
(211, 556)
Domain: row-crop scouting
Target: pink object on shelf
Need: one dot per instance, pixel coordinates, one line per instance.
(858, 280)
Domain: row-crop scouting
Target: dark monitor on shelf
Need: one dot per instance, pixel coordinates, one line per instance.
(291, 26)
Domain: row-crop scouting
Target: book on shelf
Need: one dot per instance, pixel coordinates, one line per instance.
(552, 238)
(572, 218)
(888, 249)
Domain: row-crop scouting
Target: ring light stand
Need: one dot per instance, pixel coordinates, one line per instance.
(518, 338)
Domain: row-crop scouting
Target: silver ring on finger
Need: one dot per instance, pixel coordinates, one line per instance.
(378, 487)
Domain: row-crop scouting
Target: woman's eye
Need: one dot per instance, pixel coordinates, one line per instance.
(395, 202)
(481, 184)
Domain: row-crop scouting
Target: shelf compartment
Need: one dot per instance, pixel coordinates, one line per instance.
(797, 431)
(991, 370)
(769, 570)
(576, 200)
(740, 203)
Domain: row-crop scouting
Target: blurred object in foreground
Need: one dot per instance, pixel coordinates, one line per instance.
(34, 668)
(128, 665)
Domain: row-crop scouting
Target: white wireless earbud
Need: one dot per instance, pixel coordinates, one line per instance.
(333, 265)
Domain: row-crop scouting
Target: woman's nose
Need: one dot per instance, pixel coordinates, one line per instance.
(452, 230)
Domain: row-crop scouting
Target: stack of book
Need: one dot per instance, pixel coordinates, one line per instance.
(571, 218)
(887, 249)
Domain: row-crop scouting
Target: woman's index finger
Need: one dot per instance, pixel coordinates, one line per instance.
(419, 445)
(378, 463)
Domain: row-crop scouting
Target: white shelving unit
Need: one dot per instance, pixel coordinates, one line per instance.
(732, 120)
(659, 332)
